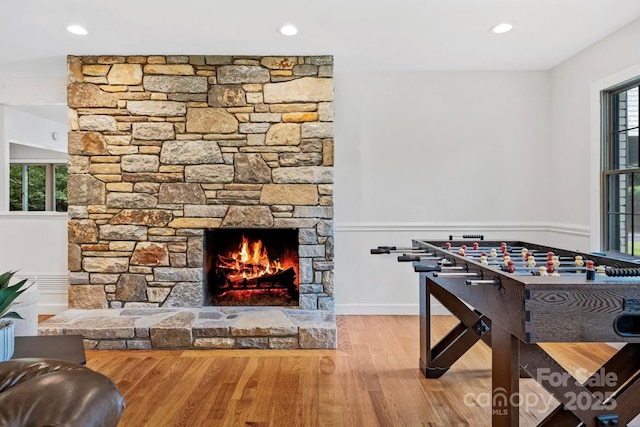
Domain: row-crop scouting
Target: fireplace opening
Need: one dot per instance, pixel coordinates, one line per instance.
(251, 267)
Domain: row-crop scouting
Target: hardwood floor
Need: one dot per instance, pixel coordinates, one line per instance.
(372, 379)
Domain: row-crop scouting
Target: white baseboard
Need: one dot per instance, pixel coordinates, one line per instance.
(387, 309)
(52, 308)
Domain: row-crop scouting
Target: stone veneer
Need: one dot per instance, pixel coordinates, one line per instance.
(163, 147)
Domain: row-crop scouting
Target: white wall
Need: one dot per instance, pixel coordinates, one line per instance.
(4, 165)
(426, 154)
(33, 91)
(35, 243)
(574, 167)
(27, 129)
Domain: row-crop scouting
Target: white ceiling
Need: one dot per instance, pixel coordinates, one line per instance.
(361, 34)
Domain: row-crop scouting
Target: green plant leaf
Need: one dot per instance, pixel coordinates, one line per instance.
(5, 278)
(7, 296)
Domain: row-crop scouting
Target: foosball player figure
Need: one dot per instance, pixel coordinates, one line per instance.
(531, 261)
(483, 259)
(591, 271)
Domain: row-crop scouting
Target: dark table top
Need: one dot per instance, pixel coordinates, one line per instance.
(62, 347)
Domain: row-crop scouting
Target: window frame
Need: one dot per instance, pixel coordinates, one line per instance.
(608, 145)
(50, 185)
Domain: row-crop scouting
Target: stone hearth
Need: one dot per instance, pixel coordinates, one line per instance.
(196, 328)
(162, 148)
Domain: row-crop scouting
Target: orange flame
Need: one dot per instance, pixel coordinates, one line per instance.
(250, 261)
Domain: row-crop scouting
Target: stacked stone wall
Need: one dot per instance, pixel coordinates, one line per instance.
(163, 147)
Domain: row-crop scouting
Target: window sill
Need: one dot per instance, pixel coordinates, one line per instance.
(33, 215)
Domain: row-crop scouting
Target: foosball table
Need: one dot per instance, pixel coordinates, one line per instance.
(514, 295)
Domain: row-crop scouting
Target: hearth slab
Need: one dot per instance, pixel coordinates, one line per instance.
(197, 328)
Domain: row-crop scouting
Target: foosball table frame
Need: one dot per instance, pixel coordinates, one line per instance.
(512, 313)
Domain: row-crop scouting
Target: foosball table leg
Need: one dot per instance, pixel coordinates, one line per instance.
(435, 361)
(505, 377)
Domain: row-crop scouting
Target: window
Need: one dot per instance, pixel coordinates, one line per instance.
(37, 187)
(621, 170)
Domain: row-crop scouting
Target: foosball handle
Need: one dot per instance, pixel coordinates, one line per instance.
(622, 272)
(422, 268)
(380, 251)
(473, 236)
(469, 236)
(408, 258)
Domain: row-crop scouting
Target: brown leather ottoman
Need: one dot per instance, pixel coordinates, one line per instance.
(47, 392)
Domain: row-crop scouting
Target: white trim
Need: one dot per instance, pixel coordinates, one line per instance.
(464, 227)
(38, 161)
(596, 88)
(49, 215)
(387, 309)
(52, 308)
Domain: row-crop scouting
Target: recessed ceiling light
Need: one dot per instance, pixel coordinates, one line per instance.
(288, 30)
(78, 30)
(501, 28)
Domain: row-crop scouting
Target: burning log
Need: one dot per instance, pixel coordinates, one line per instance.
(281, 278)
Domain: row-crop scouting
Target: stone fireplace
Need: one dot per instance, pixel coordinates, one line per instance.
(165, 150)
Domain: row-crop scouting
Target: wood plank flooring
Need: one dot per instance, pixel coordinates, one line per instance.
(372, 379)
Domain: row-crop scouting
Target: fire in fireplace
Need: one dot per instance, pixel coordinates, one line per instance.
(251, 267)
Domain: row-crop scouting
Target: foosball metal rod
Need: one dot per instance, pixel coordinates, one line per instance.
(480, 282)
(446, 274)
(407, 258)
(378, 251)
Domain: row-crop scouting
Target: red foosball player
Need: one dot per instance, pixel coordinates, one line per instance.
(591, 271)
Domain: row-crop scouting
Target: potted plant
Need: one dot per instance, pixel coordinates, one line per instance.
(7, 295)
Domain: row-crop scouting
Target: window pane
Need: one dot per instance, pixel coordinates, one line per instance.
(612, 224)
(625, 154)
(624, 133)
(634, 247)
(619, 104)
(617, 193)
(629, 236)
(633, 102)
(634, 194)
(36, 191)
(15, 188)
(60, 174)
